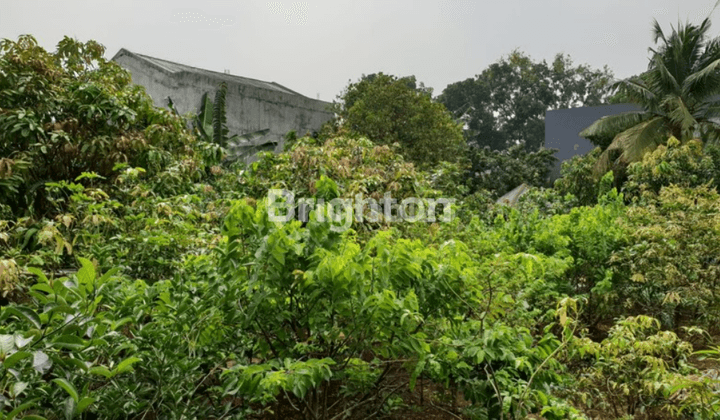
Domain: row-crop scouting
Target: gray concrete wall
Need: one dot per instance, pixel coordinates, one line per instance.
(249, 108)
(562, 128)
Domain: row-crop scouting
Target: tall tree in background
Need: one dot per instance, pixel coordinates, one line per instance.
(678, 93)
(505, 105)
(388, 109)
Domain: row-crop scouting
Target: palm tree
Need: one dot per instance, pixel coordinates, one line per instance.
(678, 94)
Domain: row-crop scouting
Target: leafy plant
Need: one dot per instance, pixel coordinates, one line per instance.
(676, 94)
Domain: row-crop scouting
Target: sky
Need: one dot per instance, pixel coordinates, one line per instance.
(318, 47)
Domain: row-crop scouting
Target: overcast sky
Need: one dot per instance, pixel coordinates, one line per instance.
(316, 47)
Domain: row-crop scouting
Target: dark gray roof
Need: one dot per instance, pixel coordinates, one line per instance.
(174, 68)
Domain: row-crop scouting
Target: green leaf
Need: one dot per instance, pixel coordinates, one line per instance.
(417, 371)
(68, 387)
(23, 312)
(102, 371)
(19, 409)
(11, 360)
(43, 287)
(84, 403)
(41, 276)
(105, 277)
(86, 274)
(71, 342)
(125, 365)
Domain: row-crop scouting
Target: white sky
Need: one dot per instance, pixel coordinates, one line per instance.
(316, 47)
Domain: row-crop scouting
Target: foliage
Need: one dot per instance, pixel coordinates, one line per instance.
(635, 370)
(211, 122)
(684, 165)
(60, 354)
(501, 171)
(388, 110)
(160, 288)
(505, 105)
(69, 112)
(669, 269)
(676, 94)
(577, 178)
(357, 165)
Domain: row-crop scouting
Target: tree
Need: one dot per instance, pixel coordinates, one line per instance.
(388, 110)
(499, 171)
(677, 93)
(71, 112)
(506, 104)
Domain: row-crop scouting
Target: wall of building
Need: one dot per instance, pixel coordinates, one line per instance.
(562, 128)
(249, 108)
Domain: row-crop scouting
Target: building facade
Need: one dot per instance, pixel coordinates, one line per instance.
(562, 128)
(262, 111)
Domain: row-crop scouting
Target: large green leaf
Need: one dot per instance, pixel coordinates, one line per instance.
(219, 122)
(603, 131)
(205, 118)
(632, 144)
(68, 387)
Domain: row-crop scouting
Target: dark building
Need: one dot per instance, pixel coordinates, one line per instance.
(562, 128)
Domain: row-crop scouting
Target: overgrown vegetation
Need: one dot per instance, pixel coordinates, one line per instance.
(142, 277)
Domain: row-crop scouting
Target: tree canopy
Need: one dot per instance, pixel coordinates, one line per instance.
(506, 104)
(678, 93)
(388, 109)
(69, 112)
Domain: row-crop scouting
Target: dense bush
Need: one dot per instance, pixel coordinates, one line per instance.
(387, 109)
(577, 178)
(69, 112)
(152, 283)
(669, 268)
(501, 171)
(685, 165)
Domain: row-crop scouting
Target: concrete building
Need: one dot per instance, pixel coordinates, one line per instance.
(562, 128)
(265, 111)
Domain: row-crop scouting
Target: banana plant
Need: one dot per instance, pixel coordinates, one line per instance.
(211, 124)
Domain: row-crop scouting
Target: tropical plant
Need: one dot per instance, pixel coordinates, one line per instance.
(387, 109)
(499, 171)
(684, 165)
(677, 94)
(211, 122)
(635, 372)
(211, 126)
(505, 105)
(69, 112)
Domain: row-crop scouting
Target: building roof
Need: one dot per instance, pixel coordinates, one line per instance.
(175, 68)
(511, 198)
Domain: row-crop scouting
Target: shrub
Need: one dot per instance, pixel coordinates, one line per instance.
(70, 112)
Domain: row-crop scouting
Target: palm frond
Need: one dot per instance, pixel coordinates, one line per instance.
(657, 32)
(632, 144)
(603, 131)
(680, 116)
(661, 80)
(708, 111)
(636, 91)
(710, 132)
(704, 83)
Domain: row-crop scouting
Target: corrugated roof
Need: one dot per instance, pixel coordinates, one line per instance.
(172, 67)
(511, 198)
